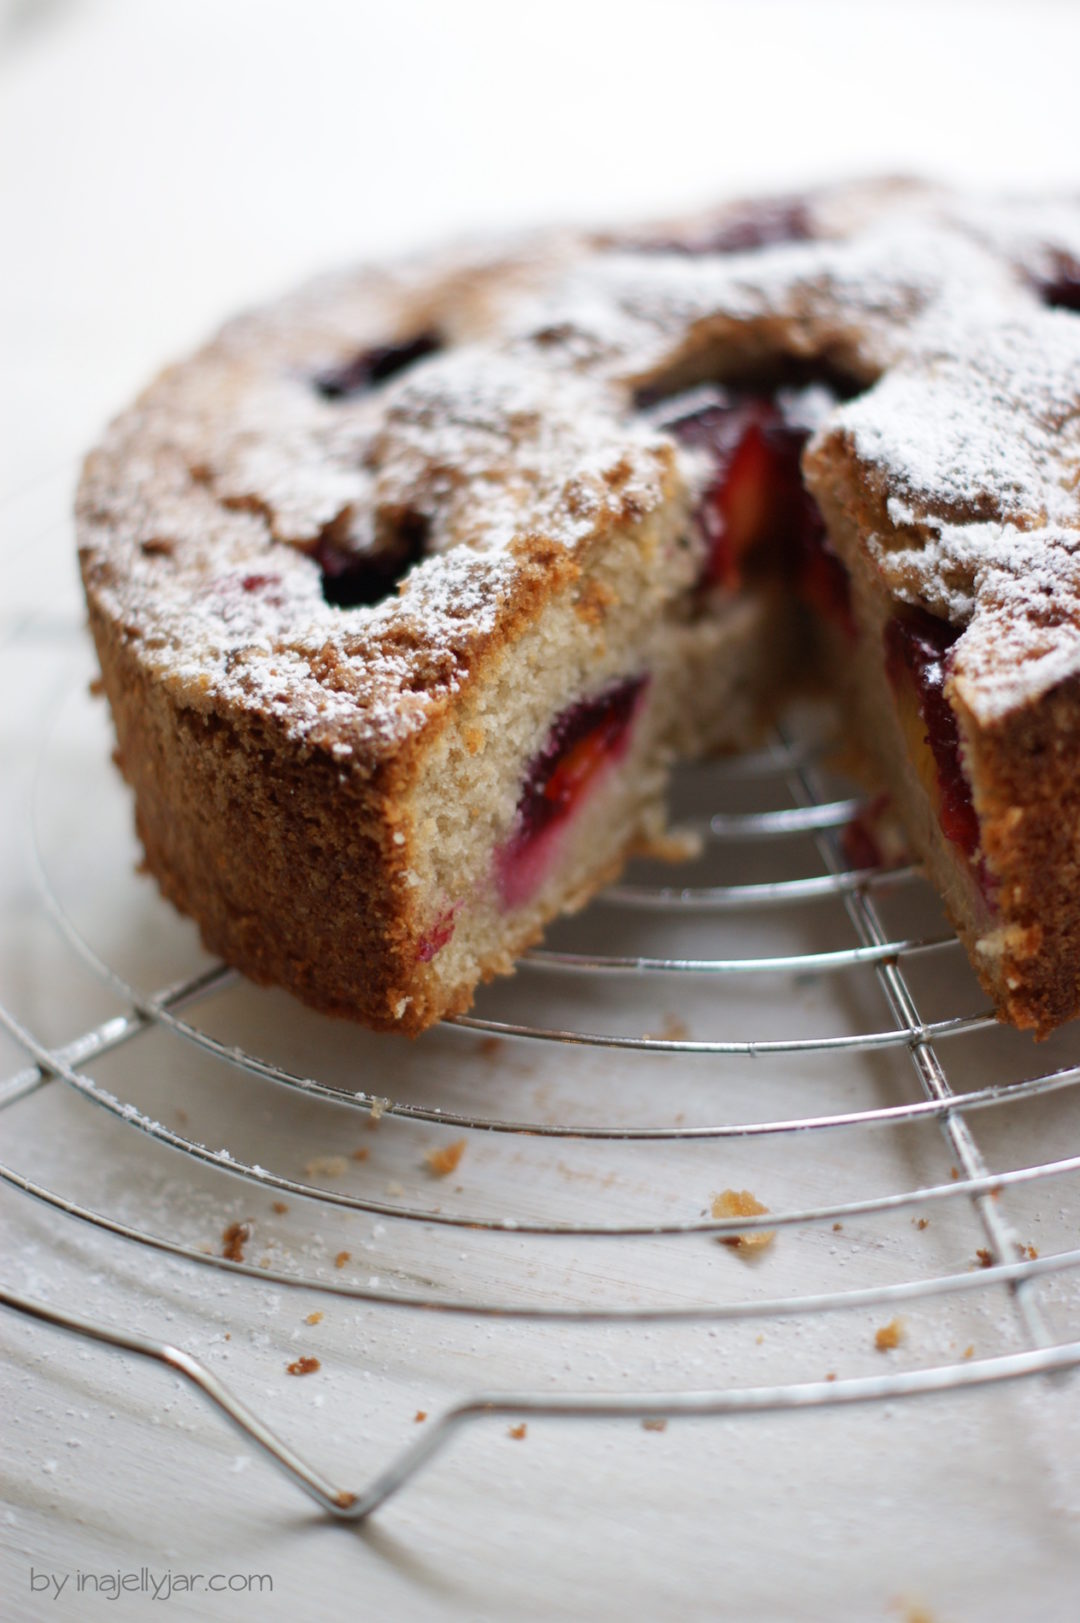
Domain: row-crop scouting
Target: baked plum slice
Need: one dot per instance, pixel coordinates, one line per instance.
(585, 742)
(755, 505)
(917, 650)
(353, 578)
(1060, 288)
(744, 504)
(370, 367)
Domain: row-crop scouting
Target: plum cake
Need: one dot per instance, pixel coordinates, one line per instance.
(409, 589)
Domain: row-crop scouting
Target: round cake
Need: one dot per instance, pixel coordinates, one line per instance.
(409, 589)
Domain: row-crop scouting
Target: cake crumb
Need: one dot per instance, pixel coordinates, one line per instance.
(377, 1110)
(491, 1047)
(985, 1257)
(419, 1416)
(1030, 1253)
(741, 1203)
(280, 1206)
(954, 1174)
(921, 1222)
(342, 1258)
(837, 1227)
(442, 1161)
(361, 1154)
(313, 1318)
(303, 1366)
(831, 1376)
(969, 1352)
(96, 687)
(671, 1030)
(654, 1425)
(325, 1166)
(518, 1432)
(889, 1336)
(234, 1239)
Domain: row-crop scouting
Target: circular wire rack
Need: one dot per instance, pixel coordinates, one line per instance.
(766, 1010)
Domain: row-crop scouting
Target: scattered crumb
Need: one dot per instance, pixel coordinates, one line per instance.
(491, 1047)
(654, 1425)
(1030, 1253)
(96, 687)
(677, 845)
(671, 1030)
(361, 1154)
(445, 1160)
(759, 1339)
(234, 1239)
(313, 1318)
(913, 1611)
(831, 1376)
(303, 1366)
(986, 1259)
(889, 1336)
(342, 1258)
(921, 1222)
(182, 1116)
(969, 1352)
(377, 1108)
(281, 1206)
(837, 1227)
(419, 1416)
(954, 1174)
(741, 1203)
(394, 1188)
(264, 1262)
(518, 1432)
(325, 1166)
(228, 1335)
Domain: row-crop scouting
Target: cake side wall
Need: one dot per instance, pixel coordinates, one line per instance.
(1022, 931)
(1028, 797)
(286, 864)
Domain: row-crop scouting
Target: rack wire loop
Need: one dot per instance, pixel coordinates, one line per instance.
(817, 816)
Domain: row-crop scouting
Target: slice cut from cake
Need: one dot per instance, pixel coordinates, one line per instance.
(409, 590)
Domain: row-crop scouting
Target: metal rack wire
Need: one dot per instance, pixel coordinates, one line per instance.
(816, 815)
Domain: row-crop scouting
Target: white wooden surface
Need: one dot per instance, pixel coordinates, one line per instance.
(161, 163)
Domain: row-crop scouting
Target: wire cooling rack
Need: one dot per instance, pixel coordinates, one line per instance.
(679, 1018)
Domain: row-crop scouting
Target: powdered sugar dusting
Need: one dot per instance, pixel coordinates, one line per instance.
(199, 513)
(975, 437)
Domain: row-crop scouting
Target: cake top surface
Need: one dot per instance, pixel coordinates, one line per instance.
(469, 426)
